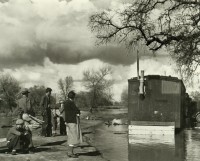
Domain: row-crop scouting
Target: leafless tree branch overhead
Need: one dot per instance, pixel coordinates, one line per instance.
(156, 23)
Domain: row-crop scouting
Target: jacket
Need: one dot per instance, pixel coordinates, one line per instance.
(71, 111)
(25, 105)
(46, 103)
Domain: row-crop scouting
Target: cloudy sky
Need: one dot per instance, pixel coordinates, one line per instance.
(44, 40)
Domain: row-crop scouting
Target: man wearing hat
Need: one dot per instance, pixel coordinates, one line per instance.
(26, 110)
(19, 139)
(24, 103)
(46, 104)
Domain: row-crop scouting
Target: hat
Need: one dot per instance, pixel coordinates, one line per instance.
(24, 91)
(19, 122)
(48, 89)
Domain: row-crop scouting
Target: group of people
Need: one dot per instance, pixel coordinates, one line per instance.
(19, 137)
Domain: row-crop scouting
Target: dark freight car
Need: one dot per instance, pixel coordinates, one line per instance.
(161, 102)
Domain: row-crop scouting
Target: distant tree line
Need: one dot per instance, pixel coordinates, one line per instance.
(98, 88)
(9, 89)
(124, 97)
(98, 91)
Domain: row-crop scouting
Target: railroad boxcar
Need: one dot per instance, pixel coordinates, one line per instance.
(157, 100)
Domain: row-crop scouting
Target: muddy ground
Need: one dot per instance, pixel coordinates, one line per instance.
(55, 148)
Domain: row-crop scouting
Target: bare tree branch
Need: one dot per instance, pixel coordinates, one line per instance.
(65, 86)
(157, 23)
(98, 85)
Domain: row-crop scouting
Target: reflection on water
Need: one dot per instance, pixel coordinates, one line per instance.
(112, 142)
(192, 139)
(183, 147)
(157, 148)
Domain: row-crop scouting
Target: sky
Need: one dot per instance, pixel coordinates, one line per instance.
(44, 40)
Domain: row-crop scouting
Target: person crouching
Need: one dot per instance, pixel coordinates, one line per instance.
(19, 139)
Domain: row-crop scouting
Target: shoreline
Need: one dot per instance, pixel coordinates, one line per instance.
(55, 148)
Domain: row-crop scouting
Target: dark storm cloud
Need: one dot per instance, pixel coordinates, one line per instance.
(115, 55)
(23, 56)
(3, 1)
(65, 55)
(33, 32)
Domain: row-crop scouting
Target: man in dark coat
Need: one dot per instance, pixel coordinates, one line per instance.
(19, 139)
(46, 104)
(72, 113)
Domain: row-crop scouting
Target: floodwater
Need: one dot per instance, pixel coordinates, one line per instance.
(112, 142)
(115, 144)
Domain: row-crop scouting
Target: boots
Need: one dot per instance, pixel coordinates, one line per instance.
(70, 152)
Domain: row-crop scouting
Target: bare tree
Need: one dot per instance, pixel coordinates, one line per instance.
(156, 23)
(65, 85)
(62, 89)
(98, 84)
(9, 90)
(124, 97)
(36, 93)
(195, 95)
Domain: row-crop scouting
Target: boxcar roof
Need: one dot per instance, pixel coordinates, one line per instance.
(158, 77)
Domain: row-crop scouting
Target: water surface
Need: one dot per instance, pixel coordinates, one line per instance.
(115, 144)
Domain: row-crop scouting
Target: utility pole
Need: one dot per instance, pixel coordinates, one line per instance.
(138, 65)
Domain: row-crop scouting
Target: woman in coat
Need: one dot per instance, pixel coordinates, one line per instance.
(72, 114)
